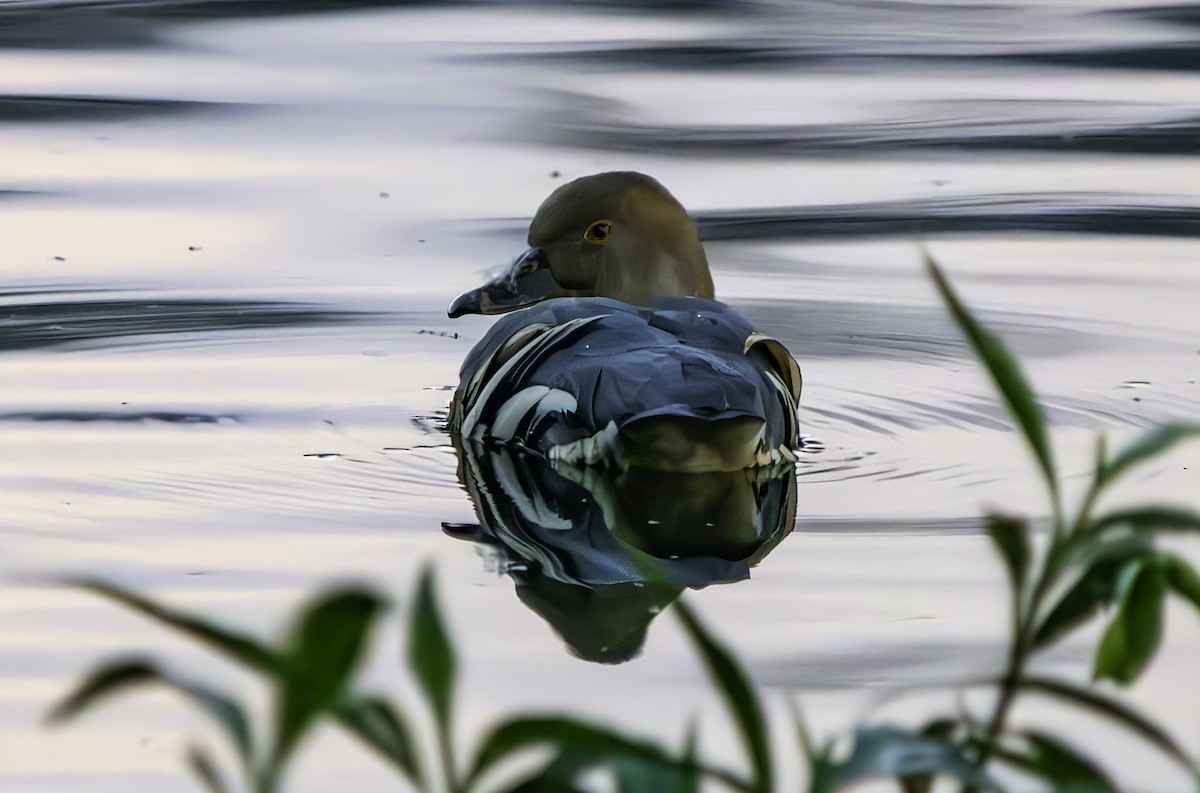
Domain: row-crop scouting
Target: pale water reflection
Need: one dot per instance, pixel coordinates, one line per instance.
(229, 232)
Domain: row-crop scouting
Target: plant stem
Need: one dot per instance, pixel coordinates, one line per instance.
(446, 756)
(1024, 624)
(268, 779)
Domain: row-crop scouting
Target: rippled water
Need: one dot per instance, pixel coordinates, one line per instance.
(230, 231)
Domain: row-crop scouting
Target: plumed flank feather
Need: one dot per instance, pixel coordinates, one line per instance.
(659, 377)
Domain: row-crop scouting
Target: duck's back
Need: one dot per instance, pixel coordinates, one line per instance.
(685, 384)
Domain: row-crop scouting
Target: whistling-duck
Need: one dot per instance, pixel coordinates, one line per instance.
(619, 356)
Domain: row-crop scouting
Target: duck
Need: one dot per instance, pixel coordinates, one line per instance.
(613, 350)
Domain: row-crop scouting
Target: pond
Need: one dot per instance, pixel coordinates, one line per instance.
(230, 232)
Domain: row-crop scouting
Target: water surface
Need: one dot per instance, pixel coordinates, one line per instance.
(230, 231)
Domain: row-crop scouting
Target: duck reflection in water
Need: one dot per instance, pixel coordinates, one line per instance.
(598, 553)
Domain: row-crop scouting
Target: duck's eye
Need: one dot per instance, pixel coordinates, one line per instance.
(599, 231)
(527, 267)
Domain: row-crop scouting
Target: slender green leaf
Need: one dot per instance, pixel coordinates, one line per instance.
(102, 682)
(1182, 578)
(1148, 446)
(562, 773)
(636, 776)
(688, 780)
(733, 683)
(1135, 630)
(1095, 587)
(1151, 518)
(551, 779)
(579, 745)
(1011, 538)
(430, 653)
(242, 648)
(203, 767)
(1021, 760)
(888, 752)
(1115, 547)
(381, 726)
(1062, 765)
(565, 773)
(1006, 373)
(1101, 459)
(1117, 712)
(115, 676)
(324, 648)
(807, 749)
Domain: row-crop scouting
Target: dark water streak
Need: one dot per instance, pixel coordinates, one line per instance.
(52, 323)
(727, 56)
(919, 218)
(1178, 136)
(25, 108)
(133, 417)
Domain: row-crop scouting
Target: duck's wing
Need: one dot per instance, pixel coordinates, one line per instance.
(685, 385)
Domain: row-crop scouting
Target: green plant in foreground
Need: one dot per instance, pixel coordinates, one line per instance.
(313, 676)
(1091, 560)
(309, 670)
(313, 672)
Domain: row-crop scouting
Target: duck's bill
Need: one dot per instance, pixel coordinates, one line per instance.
(526, 282)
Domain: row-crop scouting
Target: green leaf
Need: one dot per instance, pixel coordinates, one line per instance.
(689, 774)
(1070, 771)
(1134, 632)
(430, 653)
(324, 648)
(108, 679)
(1101, 460)
(1115, 711)
(1150, 445)
(1182, 578)
(381, 726)
(1095, 587)
(808, 749)
(202, 765)
(578, 746)
(115, 676)
(551, 779)
(733, 683)
(1011, 538)
(1005, 372)
(242, 648)
(1151, 518)
(636, 776)
(888, 752)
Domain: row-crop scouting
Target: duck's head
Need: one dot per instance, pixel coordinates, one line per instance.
(619, 235)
